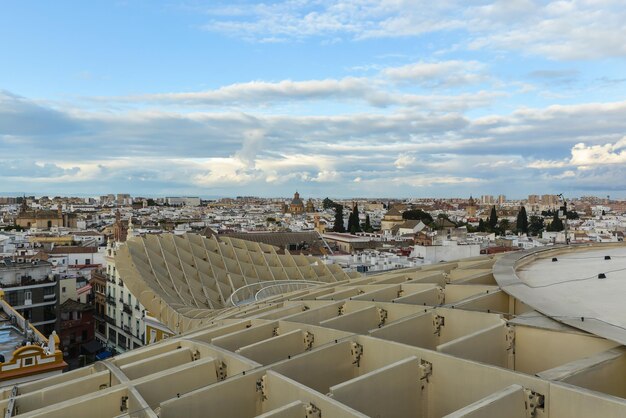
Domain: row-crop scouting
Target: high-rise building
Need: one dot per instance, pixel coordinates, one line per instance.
(549, 199)
(487, 200)
(501, 199)
(533, 199)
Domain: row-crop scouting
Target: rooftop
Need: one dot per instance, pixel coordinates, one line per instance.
(440, 340)
(581, 286)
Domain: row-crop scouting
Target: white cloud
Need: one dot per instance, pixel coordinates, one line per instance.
(439, 74)
(586, 156)
(404, 161)
(574, 29)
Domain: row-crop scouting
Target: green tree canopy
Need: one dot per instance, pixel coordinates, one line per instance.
(417, 215)
(522, 221)
(536, 225)
(556, 225)
(327, 203)
(503, 226)
(367, 227)
(493, 219)
(338, 226)
(354, 224)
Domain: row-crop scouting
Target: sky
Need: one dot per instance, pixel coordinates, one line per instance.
(356, 98)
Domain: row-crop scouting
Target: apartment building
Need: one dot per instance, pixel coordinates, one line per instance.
(32, 290)
(124, 327)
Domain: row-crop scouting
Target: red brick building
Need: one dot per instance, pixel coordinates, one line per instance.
(77, 327)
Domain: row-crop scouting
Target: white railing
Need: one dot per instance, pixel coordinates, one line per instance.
(263, 290)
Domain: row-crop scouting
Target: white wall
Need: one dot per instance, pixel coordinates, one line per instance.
(437, 253)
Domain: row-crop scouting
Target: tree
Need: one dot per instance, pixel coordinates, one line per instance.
(367, 227)
(481, 226)
(493, 219)
(503, 226)
(572, 214)
(556, 225)
(354, 224)
(522, 221)
(418, 215)
(536, 225)
(327, 203)
(338, 226)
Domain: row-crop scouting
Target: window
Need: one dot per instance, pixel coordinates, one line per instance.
(121, 340)
(28, 295)
(63, 289)
(87, 261)
(28, 361)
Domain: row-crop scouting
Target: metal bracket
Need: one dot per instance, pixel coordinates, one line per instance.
(313, 411)
(510, 338)
(356, 351)
(221, 371)
(196, 355)
(400, 293)
(438, 323)
(260, 387)
(309, 338)
(340, 310)
(426, 369)
(275, 332)
(533, 401)
(11, 407)
(124, 404)
(382, 315)
(441, 296)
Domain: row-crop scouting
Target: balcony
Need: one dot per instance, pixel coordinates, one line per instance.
(126, 308)
(126, 329)
(111, 300)
(29, 281)
(109, 320)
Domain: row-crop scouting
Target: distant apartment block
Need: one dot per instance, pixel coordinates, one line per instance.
(183, 201)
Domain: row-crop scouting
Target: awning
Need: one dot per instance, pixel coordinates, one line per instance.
(103, 355)
(92, 347)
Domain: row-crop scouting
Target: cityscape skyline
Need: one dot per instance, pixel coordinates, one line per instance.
(358, 98)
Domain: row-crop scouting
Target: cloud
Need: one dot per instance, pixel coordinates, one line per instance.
(377, 91)
(564, 30)
(367, 153)
(404, 161)
(586, 156)
(439, 74)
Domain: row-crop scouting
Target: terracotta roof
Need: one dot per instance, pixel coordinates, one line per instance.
(73, 250)
(71, 305)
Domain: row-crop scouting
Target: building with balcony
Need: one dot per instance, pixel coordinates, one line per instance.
(124, 327)
(25, 353)
(32, 290)
(98, 283)
(77, 327)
